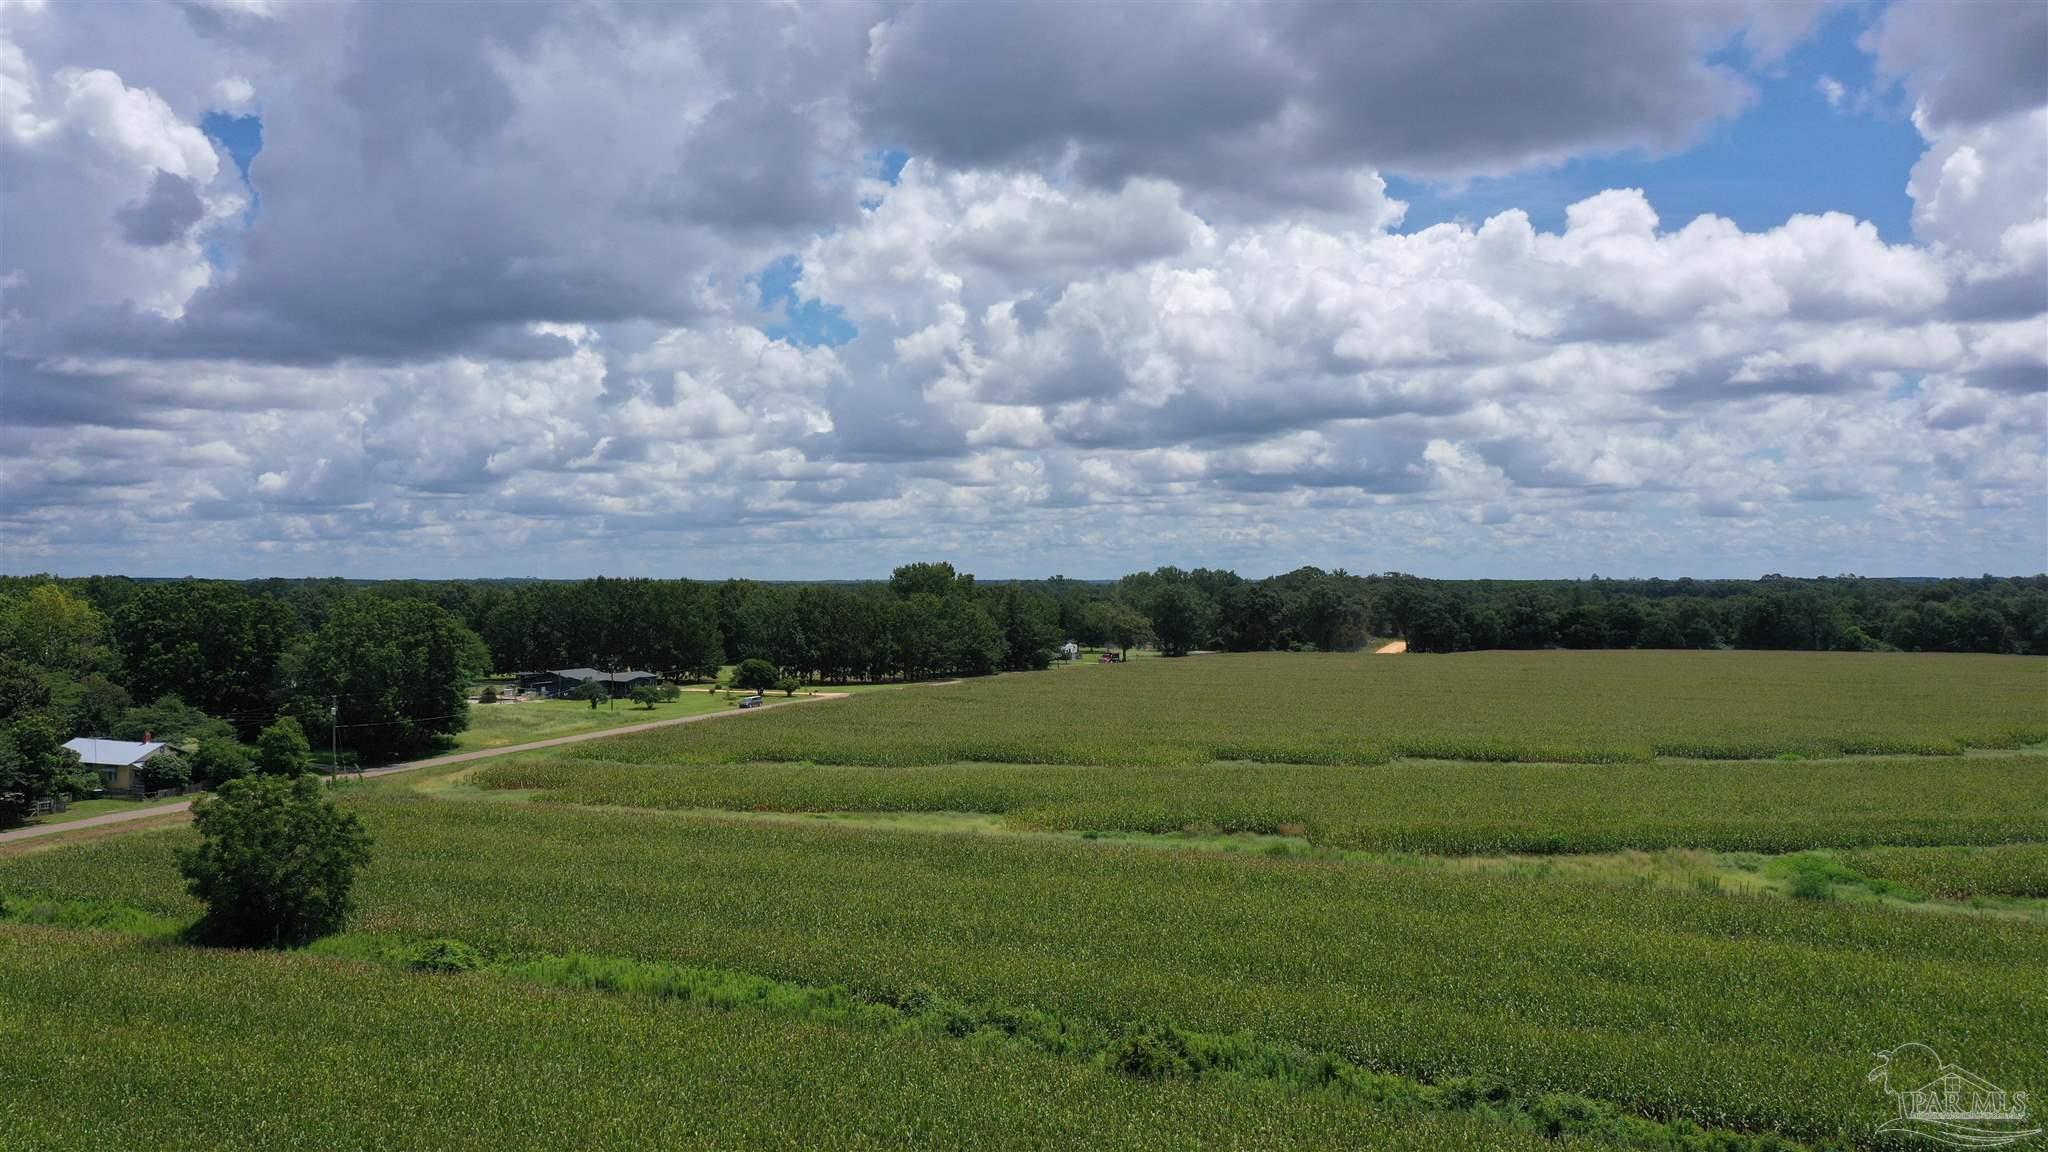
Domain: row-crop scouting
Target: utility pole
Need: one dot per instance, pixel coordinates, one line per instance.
(334, 736)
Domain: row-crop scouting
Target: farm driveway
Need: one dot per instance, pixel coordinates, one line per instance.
(36, 830)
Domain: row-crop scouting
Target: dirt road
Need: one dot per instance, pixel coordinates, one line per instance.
(154, 810)
(1393, 648)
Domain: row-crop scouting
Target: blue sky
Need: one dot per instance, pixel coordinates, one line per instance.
(385, 290)
(1792, 152)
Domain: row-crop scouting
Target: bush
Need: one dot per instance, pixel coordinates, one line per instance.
(166, 769)
(443, 956)
(756, 676)
(488, 696)
(275, 863)
(646, 696)
(670, 693)
(591, 690)
(281, 750)
(219, 760)
(788, 685)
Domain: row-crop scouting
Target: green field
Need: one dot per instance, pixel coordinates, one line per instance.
(1362, 709)
(1411, 806)
(971, 956)
(350, 1056)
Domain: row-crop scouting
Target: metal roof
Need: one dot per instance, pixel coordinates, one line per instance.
(594, 674)
(103, 753)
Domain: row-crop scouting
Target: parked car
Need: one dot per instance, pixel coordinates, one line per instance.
(752, 702)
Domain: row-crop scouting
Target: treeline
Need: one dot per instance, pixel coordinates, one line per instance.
(235, 677)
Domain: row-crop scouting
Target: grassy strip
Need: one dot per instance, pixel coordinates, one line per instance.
(92, 915)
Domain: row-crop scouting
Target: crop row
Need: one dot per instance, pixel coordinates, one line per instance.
(1595, 707)
(1959, 873)
(1722, 1011)
(192, 1049)
(1411, 806)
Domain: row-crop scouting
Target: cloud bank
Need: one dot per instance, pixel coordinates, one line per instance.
(493, 298)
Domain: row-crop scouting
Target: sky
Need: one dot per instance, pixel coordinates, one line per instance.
(811, 290)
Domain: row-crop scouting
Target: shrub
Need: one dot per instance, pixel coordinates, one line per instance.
(646, 696)
(756, 675)
(443, 956)
(670, 693)
(788, 685)
(593, 691)
(166, 769)
(275, 863)
(219, 760)
(281, 749)
(488, 696)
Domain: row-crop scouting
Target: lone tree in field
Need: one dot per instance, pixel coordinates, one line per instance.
(591, 690)
(646, 696)
(281, 749)
(275, 862)
(788, 685)
(756, 676)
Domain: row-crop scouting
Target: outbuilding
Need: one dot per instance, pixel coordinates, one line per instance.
(562, 681)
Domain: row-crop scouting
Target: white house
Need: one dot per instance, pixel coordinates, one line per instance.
(114, 760)
(1070, 651)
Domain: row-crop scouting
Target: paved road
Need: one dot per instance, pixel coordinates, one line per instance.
(35, 830)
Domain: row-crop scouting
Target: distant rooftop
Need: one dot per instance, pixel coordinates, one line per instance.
(602, 677)
(111, 753)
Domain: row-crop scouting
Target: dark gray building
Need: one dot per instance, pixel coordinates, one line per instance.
(562, 681)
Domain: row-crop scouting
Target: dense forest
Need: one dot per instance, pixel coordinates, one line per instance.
(385, 669)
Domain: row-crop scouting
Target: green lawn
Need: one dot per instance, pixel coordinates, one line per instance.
(80, 809)
(496, 725)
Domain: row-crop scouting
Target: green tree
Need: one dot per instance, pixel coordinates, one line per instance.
(275, 863)
(593, 691)
(1031, 629)
(756, 676)
(170, 720)
(669, 693)
(933, 579)
(34, 764)
(52, 628)
(282, 749)
(1180, 618)
(207, 642)
(218, 760)
(487, 696)
(788, 685)
(401, 670)
(646, 696)
(100, 705)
